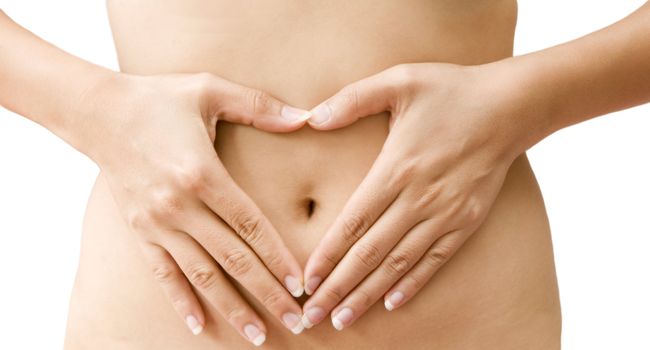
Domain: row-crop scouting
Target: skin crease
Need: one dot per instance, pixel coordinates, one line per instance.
(537, 72)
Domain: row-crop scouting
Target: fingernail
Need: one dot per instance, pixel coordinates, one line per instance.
(294, 114)
(193, 324)
(393, 300)
(293, 322)
(344, 316)
(254, 334)
(320, 114)
(293, 285)
(312, 284)
(313, 316)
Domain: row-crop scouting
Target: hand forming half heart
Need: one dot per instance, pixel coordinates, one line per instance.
(450, 144)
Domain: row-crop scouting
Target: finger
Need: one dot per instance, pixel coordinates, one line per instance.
(220, 193)
(206, 276)
(400, 260)
(432, 260)
(240, 262)
(176, 287)
(375, 193)
(243, 105)
(362, 259)
(371, 95)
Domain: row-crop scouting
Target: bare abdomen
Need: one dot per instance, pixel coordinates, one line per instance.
(498, 292)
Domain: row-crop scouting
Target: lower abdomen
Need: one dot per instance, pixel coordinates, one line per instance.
(498, 292)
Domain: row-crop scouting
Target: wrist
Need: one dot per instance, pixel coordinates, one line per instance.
(520, 108)
(90, 118)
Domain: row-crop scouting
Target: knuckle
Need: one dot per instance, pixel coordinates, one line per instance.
(180, 301)
(409, 167)
(475, 210)
(237, 263)
(163, 273)
(202, 276)
(348, 97)
(272, 259)
(368, 255)
(397, 265)
(192, 177)
(273, 299)
(332, 294)
(363, 298)
(438, 255)
(248, 227)
(142, 220)
(415, 282)
(403, 75)
(329, 257)
(258, 101)
(427, 196)
(354, 227)
(234, 314)
(166, 203)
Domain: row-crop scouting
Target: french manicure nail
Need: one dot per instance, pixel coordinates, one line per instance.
(293, 322)
(341, 318)
(254, 334)
(313, 316)
(320, 114)
(294, 286)
(193, 324)
(294, 114)
(312, 284)
(393, 300)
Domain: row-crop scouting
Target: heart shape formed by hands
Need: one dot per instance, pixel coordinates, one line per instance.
(430, 188)
(421, 199)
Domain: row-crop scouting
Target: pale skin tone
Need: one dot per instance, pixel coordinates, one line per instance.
(176, 196)
(454, 132)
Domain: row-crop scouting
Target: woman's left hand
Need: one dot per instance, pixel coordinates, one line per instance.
(451, 142)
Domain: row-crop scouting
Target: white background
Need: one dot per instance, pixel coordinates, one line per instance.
(594, 177)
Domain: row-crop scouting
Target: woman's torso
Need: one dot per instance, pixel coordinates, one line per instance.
(498, 292)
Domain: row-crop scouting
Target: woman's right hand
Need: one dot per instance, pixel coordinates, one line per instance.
(153, 138)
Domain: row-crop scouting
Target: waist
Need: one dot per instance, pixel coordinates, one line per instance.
(498, 292)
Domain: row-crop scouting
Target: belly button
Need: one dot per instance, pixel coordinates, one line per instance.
(310, 206)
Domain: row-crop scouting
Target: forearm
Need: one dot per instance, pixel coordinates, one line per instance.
(603, 72)
(40, 81)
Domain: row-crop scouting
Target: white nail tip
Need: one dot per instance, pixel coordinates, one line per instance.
(294, 115)
(305, 322)
(298, 292)
(259, 340)
(294, 286)
(194, 325)
(305, 116)
(337, 324)
(297, 329)
(197, 330)
(388, 305)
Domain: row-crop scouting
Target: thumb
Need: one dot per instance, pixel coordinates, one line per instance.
(243, 105)
(368, 96)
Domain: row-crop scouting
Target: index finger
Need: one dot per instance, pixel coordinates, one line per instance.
(375, 193)
(222, 195)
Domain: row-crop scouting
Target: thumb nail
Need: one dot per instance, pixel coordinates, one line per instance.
(294, 114)
(321, 114)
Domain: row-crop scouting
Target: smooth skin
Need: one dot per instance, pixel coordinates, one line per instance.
(192, 221)
(455, 130)
(498, 109)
